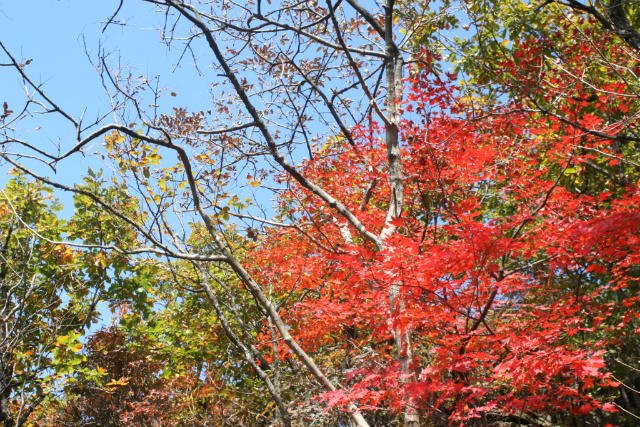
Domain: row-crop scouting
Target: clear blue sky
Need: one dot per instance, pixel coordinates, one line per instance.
(50, 33)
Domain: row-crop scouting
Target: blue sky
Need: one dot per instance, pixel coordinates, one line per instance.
(51, 34)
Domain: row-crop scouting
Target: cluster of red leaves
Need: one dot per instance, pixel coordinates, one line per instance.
(509, 274)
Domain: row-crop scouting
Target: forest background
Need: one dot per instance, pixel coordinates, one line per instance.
(320, 213)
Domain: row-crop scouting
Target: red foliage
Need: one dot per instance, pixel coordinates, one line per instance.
(508, 271)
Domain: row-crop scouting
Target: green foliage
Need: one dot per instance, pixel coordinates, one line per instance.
(52, 291)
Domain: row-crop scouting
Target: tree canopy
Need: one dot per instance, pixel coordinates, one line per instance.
(392, 213)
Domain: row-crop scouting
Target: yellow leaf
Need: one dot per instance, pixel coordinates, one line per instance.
(121, 381)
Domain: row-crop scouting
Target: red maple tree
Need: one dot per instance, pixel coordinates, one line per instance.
(515, 278)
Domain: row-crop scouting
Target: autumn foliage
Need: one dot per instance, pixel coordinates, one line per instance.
(455, 248)
(516, 273)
